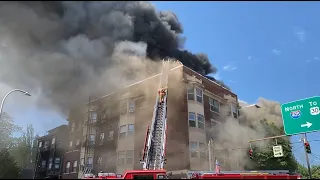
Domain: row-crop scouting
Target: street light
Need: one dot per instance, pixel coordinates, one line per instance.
(14, 90)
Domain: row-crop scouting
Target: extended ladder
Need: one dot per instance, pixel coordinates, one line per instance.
(154, 149)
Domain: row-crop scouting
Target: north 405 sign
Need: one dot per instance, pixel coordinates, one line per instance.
(301, 116)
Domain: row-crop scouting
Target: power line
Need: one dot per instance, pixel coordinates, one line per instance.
(313, 155)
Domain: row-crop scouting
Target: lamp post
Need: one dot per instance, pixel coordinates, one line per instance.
(4, 98)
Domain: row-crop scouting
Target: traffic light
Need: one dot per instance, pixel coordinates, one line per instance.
(251, 154)
(307, 147)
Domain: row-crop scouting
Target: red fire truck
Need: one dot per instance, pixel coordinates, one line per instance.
(244, 175)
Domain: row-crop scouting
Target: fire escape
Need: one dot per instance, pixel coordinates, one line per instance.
(90, 136)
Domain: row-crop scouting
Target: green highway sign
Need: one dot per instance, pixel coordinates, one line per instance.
(301, 116)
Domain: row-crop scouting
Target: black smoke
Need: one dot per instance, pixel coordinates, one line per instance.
(61, 48)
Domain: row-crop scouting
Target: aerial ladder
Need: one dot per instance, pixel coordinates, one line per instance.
(153, 157)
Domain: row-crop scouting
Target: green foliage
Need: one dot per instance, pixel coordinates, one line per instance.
(7, 128)
(263, 156)
(315, 171)
(24, 148)
(8, 166)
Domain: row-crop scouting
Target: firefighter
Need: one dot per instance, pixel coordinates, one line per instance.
(162, 93)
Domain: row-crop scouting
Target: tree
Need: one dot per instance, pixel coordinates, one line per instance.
(23, 148)
(263, 156)
(7, 128)
(8, 166)
(303, 171)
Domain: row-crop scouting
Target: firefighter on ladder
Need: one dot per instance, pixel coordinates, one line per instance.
(162, 92)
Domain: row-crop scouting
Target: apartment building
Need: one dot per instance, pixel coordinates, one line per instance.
(112, 129)
(51, 149)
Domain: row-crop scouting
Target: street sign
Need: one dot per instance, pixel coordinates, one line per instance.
(277, 151)
(301, 116)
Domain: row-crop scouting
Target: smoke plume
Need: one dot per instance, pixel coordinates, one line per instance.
(234, 135)
(64, 51)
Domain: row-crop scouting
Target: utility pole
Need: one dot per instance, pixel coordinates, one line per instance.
(304, 139)
(210, 156)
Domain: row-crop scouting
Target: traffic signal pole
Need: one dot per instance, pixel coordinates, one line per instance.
(307, 156)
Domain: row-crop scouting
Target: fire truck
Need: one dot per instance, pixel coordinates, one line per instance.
(267, 174)
(153, 158)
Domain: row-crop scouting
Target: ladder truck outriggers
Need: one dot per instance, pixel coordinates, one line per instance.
(153, 156)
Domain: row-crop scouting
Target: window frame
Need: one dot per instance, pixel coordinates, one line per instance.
(123, 134)
(203, 121)
(70, 144)
(129, 160)
(199, 96)
(192, 120)
(193, 150)
(213, 105)
(130, 131)
(74, 166)
(202, 150)
(95, 115)
(191, 93)
(111, 135)
(67, 170)
(99, 160)
(73, 125)
(131, 106)
(234, 109)
(121, 155)
(53, 141)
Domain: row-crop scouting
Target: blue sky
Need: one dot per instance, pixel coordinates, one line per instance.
(261, 49)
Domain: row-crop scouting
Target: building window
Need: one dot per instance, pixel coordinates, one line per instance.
(53, 140)
(40, 144)
(56, 163)
(234, 111)
(130, 129)
(43, 164)
(121, 157)
(122, 132)
(70, 144)
(200, 118)
(93, 117)
(50, 163)
(129, 157)
(46, 144)
(90, 162)
(82, 162)
(131, 106)
(92, 139)
(194, 149)
(68, 167)
(123, 107)
(73, 125)
(78, 142)
(110, 137)
(192, 119)
(191, 94)
(214, 105)
(99, 160)
(199, 95)
(101, 138)
(202, 149)
(75, 164)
